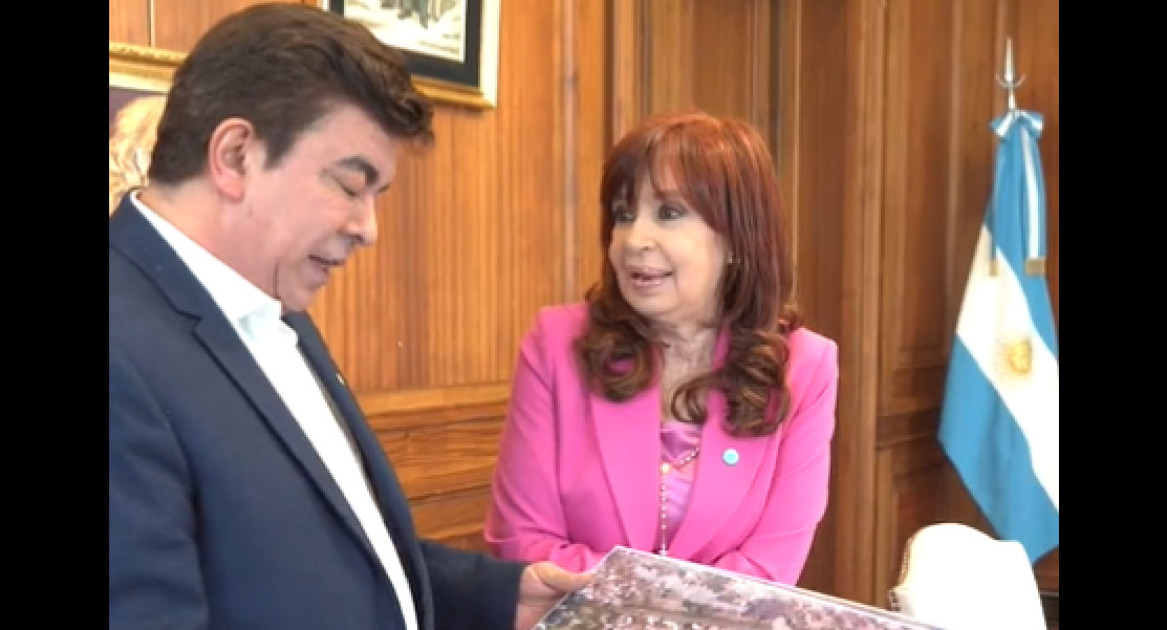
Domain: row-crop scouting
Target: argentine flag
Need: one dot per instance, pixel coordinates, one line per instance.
(999, 419)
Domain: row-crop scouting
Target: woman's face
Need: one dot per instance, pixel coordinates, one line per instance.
(668, 261)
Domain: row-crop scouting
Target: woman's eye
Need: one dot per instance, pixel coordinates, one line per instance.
(622, 215)
(669, 211)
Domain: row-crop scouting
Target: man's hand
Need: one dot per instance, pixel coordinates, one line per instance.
(542, 585)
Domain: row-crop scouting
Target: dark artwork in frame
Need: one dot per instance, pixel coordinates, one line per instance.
(451, 46)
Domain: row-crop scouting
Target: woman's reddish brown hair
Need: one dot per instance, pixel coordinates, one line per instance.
(724, 171)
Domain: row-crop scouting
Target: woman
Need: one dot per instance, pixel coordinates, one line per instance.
(682, 409)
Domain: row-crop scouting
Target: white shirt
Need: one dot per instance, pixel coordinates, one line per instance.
(256, 318)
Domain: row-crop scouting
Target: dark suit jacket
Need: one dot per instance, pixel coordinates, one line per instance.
(221, 515)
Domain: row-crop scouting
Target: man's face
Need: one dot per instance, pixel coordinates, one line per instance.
(305, 216)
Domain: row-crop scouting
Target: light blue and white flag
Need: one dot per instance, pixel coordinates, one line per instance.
(999, 420)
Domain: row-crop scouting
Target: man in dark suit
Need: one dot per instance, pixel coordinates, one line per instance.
(246, 490)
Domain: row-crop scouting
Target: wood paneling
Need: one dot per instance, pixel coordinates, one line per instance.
(730, 52)
(445, 471)
(589, 135)
(453, 518)
(624, 77)
(905, 475)
(179, 23)
(919, 117)
(446, 458)
(811, 137)
(704, 54)
(129, 22)
(830, 68)
(172, 24)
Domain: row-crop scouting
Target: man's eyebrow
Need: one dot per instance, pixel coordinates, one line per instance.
(361, 165)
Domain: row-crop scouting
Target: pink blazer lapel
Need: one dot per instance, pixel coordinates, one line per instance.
(629, 437)
(725, 473)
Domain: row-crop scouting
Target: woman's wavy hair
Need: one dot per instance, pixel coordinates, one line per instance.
(724, 171)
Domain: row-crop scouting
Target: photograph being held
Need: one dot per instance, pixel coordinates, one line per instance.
(682, 408)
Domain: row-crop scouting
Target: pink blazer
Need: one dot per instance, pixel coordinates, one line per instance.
(578, 474)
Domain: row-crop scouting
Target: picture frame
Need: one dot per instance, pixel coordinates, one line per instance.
(139, 79)
(451, 46)
(137, 71)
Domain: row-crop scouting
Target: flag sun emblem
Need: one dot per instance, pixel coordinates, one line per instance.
(1014, 358)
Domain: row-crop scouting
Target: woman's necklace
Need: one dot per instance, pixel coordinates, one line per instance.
(665, 469)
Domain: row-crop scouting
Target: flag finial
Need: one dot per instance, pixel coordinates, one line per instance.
(1009, 79)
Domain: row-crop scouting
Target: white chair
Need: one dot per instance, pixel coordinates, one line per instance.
(959, 578)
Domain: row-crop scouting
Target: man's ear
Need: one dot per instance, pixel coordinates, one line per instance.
(231, 156)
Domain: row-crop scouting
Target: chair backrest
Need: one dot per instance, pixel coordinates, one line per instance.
(957, 577)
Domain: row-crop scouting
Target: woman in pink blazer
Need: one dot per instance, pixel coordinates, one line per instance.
(682, 409)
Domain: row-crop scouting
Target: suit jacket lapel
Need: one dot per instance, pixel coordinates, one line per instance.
(131, 234)
(221, 340)
(389, 495)
(628, 435)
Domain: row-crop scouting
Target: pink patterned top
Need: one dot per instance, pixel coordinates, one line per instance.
(678, 439)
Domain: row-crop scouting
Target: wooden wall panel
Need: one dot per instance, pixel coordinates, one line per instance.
(905, 473)
(447, 458)
(453, 518)
(667, 35)
(707, 54)
(811, 145)
(179, 23)
(917, 190)
(588, 134)
(129, 22)
(731, 59)
(829, 68)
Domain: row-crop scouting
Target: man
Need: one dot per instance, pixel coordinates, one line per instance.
(246, 490)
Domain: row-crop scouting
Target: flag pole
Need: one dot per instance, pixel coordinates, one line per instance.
(1008, 80)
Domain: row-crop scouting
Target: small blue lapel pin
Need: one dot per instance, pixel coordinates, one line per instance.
(730, 456)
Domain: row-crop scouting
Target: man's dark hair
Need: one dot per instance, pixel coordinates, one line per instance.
(281, 67)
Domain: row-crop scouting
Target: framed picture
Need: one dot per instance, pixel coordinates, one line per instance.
(451, 46)
(138, 77)
(137, 71)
